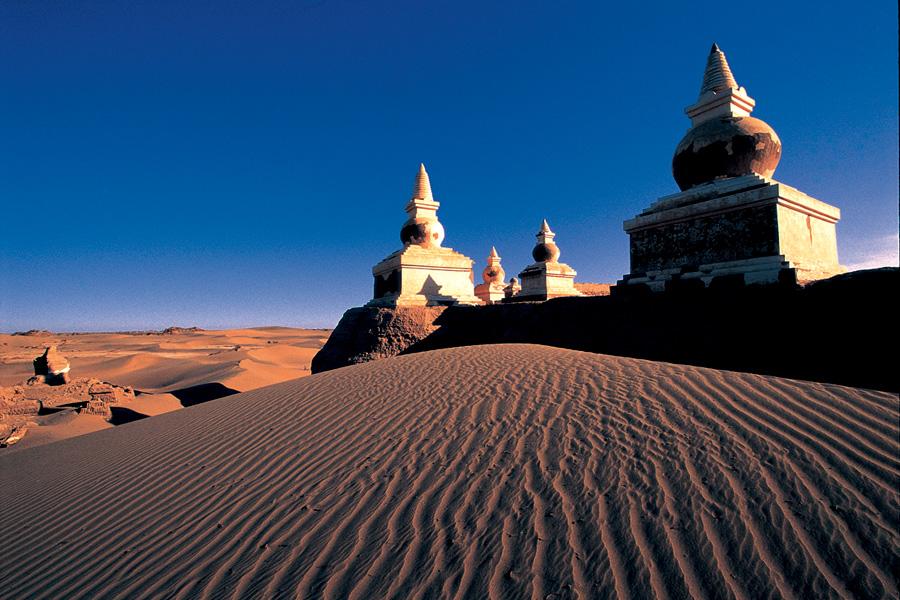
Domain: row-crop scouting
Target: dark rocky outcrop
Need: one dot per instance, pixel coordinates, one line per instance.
(833, 330)
(180, 330)
(368, 333)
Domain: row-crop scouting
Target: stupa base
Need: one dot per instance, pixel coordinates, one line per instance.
(418, 276)
(749, 226)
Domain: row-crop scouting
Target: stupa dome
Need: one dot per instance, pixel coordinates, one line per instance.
(493, 272)
(546, 249)
(725, 147)
(422, 232)
(724, 141)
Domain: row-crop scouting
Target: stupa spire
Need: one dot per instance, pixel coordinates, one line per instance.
(422, 187)
(718, 76)
(494, 253)
(720, 95)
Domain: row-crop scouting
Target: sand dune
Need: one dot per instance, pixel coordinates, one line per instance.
(158, 363)
(511, 471)
(168, 370)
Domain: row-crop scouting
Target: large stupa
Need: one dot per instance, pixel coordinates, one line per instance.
(731, 221)
(423, 273)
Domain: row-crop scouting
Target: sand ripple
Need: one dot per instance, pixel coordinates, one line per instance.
(511, 471)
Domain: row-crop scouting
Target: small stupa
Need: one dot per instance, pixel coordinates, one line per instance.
(512, 288)
(492, 290)
(547, 278)
(731, 220)
(423, 273)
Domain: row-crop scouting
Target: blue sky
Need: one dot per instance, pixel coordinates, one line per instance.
(229, 163)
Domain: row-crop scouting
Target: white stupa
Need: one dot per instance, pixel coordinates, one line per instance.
(423, 273)
(547, 278)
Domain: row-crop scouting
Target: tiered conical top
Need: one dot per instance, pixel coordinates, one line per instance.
(545, 250)
(545, 228)
(718, 76)
(422, 187)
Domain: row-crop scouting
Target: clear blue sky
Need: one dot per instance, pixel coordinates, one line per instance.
(223, 163)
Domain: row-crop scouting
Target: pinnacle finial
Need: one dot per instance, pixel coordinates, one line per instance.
(422, 187)
(545, 228)
(493, 253)
(718, 76)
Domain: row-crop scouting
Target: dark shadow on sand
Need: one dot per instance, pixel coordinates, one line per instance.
(121, 415)
(204, 392)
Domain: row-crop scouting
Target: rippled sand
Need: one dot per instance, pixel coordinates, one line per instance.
(507, 471)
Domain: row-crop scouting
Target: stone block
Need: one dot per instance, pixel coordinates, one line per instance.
(417, 276)
(756, 227)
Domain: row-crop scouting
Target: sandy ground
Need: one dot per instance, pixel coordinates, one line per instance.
(168, 370)
(512, 471)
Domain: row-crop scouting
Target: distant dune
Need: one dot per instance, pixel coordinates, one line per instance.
(504, 471)
(170, 369)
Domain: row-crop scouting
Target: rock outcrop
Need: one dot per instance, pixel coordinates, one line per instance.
(11, 434)
(14, 403)
(22, 403)
(52, 366)
(180, 330)
(369, 333)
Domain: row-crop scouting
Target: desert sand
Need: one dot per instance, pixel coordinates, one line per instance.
(505, 471)
(168, 371)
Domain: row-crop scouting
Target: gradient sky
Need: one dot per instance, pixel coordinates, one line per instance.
(223, 163)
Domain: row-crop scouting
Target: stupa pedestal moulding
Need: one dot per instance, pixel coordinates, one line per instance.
(547, 278)
(423, 273)
(731, 218)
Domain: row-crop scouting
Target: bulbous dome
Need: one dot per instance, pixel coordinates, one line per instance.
(725, 147)
(545, 252)
(493, 274)
(427, 233)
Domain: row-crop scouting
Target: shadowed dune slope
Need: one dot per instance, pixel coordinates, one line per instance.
(508, 471)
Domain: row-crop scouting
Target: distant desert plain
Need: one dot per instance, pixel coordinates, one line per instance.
(168, 370)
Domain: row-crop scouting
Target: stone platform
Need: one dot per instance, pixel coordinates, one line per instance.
(417, 276)
(750, 228)
(544, 281)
